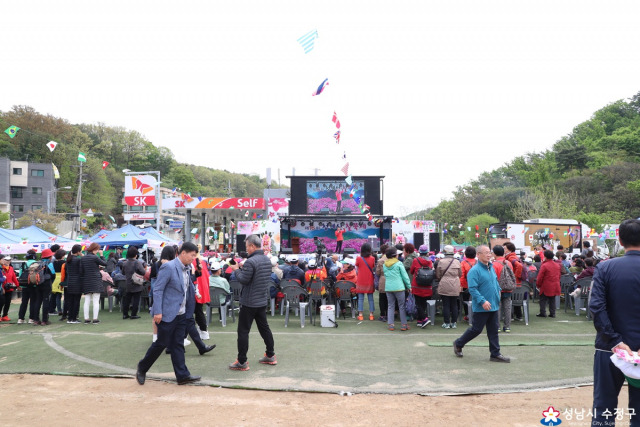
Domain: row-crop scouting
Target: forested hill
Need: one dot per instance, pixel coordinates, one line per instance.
(122, 148)
(591, 174)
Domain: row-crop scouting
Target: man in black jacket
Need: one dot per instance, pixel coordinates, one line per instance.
(255, 277)
(615, 298)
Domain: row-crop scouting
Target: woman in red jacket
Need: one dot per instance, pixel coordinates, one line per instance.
(421, 293)
(201, 273)
(365, 264)
(10, 284)
(548, 284)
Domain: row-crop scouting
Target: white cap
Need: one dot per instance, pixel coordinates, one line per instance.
(312, 263)
(456, 256)
(215, 265)
(448, 249)
(292, 258)
(7, 258)
(528, 260)
(440, 255)
(349, 261)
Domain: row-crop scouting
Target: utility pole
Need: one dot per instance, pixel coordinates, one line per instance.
(76, 219)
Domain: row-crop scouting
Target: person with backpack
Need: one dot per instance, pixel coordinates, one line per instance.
(507, 282)
(518, 270)
(41, 276)
(28, 291)
(365, 264)
(422, 277)
(448, 273)
(92, 281)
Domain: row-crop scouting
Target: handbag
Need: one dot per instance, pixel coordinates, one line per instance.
(137, 279)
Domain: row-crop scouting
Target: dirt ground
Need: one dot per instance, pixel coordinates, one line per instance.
(62, 400)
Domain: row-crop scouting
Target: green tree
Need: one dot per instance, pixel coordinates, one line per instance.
(40, 219)
(482, 222)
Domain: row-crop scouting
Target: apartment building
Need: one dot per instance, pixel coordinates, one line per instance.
(26, 186)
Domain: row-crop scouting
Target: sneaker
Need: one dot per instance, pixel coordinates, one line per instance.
(87, 321)
(36, 323)
(454, 325)
(382, 318)
(237, 366)
(204, 335)
(268, 360)
(63, 318)
(6, 319)
(95, 321)
(74, 322)
(541, 315)
(507, 330)
(466, 318)
(404, 327)
(392, 327)
(20, 321)
(360, 317)
(186, 342)
(371, 317)
(30, 321)
(446, 326)
(518, 319)
(155, 338)
(45, 323)
(424, 322)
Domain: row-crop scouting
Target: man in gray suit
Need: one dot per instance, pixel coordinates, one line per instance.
(173, 304)
(255, 277)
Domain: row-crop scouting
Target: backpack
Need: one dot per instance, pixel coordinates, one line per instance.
(507, 278)
(425, 276)
(36, 273)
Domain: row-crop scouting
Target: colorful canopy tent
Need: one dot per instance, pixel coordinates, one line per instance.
(21, 240)
(131, 235)
(97, 235)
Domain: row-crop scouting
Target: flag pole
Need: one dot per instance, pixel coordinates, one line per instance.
(76, 225)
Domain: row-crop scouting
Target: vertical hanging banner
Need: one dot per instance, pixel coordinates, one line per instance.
(139, 190)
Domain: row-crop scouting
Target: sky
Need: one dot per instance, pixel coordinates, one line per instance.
(429, 93)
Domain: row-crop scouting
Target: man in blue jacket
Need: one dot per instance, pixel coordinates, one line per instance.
(485, 297)
(173, 304)
(615, 302)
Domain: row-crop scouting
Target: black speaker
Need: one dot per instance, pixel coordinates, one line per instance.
(286, 251)
(349, 251)
(240, 245)
(418, 239)
(434, 242)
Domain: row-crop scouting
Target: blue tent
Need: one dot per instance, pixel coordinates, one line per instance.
(129, 235)
(33, 234)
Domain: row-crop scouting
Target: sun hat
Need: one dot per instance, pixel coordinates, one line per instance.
(448, 249)
(423, 249)
(46, 253)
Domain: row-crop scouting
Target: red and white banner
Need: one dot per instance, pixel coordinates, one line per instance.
(139, 216)
(140, 190)
(243, 203)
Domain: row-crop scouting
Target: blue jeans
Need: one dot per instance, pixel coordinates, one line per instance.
(372, 307)
(392, 297)
(481, 318)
